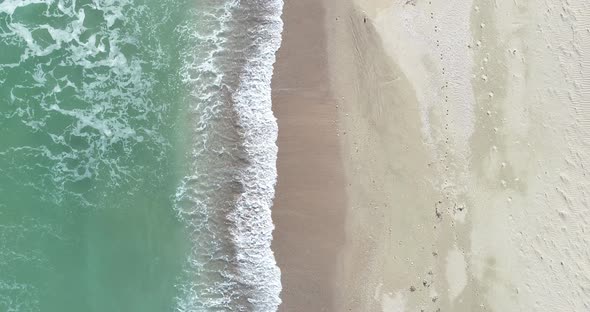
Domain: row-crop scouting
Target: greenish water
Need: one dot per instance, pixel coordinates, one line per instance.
(137, 155)
(90, 155)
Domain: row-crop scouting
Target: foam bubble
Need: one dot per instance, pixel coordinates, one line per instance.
(95, 98)
(226, 201)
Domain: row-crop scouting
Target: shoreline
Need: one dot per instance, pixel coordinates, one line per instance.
(310, 203)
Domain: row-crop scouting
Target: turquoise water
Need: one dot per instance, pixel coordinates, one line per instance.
(137, 155)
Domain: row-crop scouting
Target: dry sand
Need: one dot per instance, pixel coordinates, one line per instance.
(434, 155)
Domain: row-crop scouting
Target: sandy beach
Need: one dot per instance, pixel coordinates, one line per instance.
(433, 156)
(310, 205)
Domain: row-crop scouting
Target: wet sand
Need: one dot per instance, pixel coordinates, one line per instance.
(310, 204)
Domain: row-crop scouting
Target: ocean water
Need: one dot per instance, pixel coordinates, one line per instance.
(137, 155)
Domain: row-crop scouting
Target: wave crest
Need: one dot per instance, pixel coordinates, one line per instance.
(226, 200)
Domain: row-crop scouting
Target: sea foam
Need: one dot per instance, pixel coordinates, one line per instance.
(226, 200)
(90, 127)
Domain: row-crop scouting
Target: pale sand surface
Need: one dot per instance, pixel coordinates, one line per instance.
(461, 176)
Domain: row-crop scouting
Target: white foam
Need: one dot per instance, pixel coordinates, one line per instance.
(253, 104)
(112, 85)
(232, 253)
(9, 6)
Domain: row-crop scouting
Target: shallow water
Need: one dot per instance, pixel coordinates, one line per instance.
(136, 164)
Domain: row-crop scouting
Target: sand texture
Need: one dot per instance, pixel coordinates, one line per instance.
(434, 155)
(310, 204)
